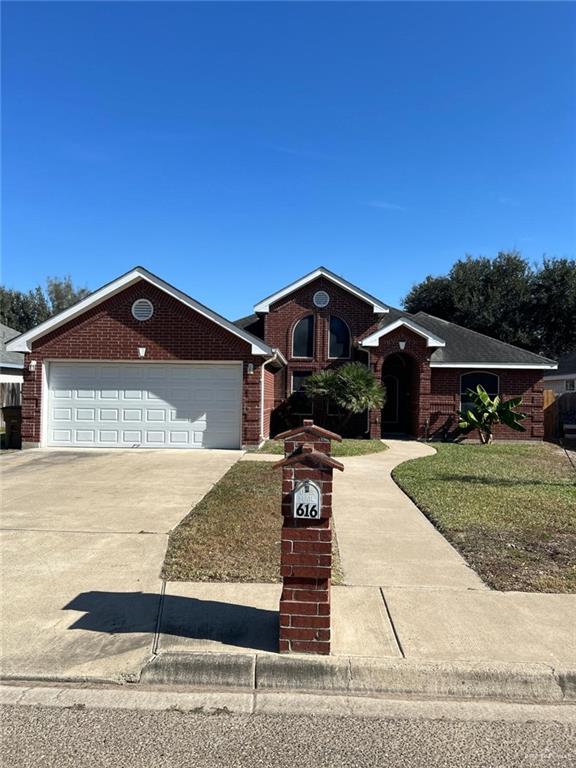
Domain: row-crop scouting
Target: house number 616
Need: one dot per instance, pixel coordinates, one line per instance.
(307, 501)
(307, 510)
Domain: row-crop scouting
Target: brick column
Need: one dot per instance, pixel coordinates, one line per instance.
(306, 557)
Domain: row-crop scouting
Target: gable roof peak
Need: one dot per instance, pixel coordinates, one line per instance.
(378, 306)
(23, 342)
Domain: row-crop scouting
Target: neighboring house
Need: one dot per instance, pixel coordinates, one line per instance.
(11, 368)
(564, 378)
(138, 363)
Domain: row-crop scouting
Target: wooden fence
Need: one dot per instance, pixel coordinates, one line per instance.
(557, 409)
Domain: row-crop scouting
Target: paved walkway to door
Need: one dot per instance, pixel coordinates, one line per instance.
(384, 539)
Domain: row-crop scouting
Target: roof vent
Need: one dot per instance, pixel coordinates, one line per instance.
(321, 299)
(142, 309)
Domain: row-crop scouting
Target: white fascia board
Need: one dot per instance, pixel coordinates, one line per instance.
(22, 343)
(431, 339)
(19, 366)
(264, 305)
(516, 366)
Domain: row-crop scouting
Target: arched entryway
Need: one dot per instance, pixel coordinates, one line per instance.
(400, 379)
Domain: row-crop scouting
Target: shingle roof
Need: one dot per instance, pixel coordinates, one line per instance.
(566, 364)
(466, 346)
(13, 358)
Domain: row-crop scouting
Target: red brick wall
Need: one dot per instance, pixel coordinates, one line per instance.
(283, 315)
(418, 353)
(443, 402)
(436, 394)
(109, 332)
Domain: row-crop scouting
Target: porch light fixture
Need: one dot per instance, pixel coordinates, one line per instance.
(250, 368)
(141, 351)
(32, 366)
(402, 344)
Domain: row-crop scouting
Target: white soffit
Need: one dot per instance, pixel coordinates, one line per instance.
(431, 339)
(378, 307)
(484, 364)
(22, 343)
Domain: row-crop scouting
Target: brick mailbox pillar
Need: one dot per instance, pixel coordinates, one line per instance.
(306, 558)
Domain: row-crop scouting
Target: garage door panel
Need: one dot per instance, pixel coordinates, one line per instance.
(148, 405)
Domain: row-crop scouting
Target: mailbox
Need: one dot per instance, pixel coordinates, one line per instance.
(306, 541)
(307, 501)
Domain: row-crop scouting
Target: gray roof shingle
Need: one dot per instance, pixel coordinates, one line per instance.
(12, 358)
(466, 346)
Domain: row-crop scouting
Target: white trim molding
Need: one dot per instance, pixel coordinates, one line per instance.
(23, 342)
(18, 366)
(481, 365)
(377, 306)
(403, 322)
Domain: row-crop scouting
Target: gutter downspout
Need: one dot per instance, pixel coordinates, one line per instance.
(264, 364)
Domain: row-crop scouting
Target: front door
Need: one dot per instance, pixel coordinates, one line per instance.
(397, 380)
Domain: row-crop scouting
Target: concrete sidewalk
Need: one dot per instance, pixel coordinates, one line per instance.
(383, 538)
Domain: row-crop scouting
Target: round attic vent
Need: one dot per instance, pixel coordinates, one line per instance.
(142, 309)
(321, 299)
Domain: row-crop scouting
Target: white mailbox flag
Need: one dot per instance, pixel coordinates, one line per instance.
(307, 501)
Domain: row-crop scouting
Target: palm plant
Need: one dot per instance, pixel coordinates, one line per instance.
(353, 388)
(486, 412)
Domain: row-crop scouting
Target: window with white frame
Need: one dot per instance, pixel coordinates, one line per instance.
(489, 381)
(570, 385)
(303, 337)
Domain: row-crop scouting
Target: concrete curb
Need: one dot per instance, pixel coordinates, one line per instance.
(204, 670)
(362, 676)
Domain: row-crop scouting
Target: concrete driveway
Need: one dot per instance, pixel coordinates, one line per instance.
(84, 534)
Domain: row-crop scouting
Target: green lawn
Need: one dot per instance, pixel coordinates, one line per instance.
(345, 448)
(224, 538)
(509, 509)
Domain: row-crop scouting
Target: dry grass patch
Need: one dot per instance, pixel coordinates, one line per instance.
(509, 509)
(233, 534)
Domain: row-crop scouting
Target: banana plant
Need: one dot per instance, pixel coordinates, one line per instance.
(486, 412)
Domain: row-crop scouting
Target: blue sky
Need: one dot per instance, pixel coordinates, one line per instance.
(230, 148)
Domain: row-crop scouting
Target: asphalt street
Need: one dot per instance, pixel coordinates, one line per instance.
(76, 737)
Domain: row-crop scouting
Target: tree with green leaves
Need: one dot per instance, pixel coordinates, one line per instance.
(353, 388)
(23, 310)
(484, 412)
(506, 298)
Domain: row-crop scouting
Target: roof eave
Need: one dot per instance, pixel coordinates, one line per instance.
(486, 364)
(431, 339)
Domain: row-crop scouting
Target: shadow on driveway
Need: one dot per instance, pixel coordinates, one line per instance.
(132, 612)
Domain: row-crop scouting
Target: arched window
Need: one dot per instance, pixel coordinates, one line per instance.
(303, 337)
(339, 338)
(489, 381)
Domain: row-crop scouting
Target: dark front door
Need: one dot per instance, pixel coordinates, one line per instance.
(396, 378)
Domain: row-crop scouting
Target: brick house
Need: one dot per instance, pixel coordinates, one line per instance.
(138, 363)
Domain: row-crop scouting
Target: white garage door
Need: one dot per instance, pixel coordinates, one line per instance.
(144, 405)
